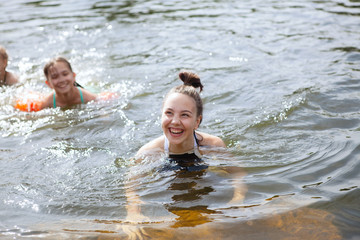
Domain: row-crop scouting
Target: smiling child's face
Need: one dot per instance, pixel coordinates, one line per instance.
(179, 120)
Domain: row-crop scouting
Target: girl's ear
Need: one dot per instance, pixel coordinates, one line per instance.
(48, 83)
(74, 74)
(198, 121)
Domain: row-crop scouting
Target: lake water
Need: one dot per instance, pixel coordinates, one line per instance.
(282, 88)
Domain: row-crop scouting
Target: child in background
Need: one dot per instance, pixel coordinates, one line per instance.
(61, 78)
(6, 78)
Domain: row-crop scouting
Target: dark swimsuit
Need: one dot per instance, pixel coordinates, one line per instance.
(190, 161)
(81, 96)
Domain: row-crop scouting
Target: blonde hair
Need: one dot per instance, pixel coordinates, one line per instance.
(3, 53)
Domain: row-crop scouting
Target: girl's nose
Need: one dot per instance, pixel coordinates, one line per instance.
(62, 78)
(175, 120)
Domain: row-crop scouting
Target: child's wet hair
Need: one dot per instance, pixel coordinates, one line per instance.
(3, 53)
(52, 63)
(191, 79)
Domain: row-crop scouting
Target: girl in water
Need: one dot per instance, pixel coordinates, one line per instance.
(6, 78)
(61, 78)
(182, 112)
(188, 184)
(181, 116)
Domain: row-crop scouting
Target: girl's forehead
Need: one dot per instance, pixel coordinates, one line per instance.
(179, 100)
(60, 66)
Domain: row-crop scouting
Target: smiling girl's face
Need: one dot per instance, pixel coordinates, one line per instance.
(60, 77)
(179, 121)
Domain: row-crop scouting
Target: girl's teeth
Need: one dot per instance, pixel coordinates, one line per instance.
(176, 131)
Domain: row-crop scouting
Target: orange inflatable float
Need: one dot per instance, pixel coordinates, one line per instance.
(33, 101)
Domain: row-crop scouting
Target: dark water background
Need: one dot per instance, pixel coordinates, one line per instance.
(282, 88)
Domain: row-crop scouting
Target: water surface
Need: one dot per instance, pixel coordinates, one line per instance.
(281, 88)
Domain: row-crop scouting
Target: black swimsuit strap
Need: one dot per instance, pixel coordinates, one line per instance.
(77, 85)
(197, 141)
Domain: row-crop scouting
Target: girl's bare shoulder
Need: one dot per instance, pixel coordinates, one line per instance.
(12, 78)
(154, 145)
(88, 96)
(210, 140)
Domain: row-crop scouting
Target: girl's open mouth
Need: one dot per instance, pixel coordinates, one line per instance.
(176, 131)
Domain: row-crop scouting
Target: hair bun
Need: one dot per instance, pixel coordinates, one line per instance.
(191, 79)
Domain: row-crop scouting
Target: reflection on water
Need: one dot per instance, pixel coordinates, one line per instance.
(191, 217)
(281, 88)
(194, 223)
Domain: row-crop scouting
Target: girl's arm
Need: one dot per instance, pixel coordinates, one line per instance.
(134, 202)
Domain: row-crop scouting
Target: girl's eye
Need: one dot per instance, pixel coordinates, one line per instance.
(168, 113)
(185, 115)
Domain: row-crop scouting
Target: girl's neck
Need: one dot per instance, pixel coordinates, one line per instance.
(70, 97)
(183, 147)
